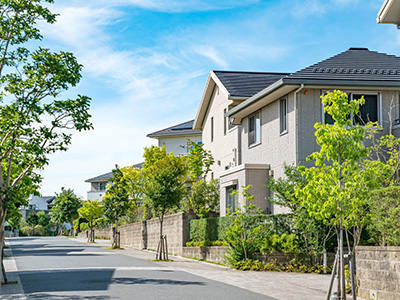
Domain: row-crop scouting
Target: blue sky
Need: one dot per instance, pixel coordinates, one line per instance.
(146, 62)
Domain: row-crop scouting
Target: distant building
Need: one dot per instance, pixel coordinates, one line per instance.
(36, 204)
(175, 138)
(99, 183)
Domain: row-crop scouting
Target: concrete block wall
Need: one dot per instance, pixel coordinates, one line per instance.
(146, 234)
(212, 253)
(378, 272)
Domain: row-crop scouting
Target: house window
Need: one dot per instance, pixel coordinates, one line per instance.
(225, 122)
(369, 111)
(212, 129)
(231, 199)
(254, 128)
(102, 186)
(283, 115)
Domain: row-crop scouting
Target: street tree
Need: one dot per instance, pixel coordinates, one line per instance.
(34, 116)
(199, 161)
(336, 191)
(164, 185)
(116, 201)
(134, 181)
(65, 208)
(91, 210)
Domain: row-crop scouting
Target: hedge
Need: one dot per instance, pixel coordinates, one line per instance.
(214, 229)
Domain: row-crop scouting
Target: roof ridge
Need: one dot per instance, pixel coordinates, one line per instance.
(250, 72)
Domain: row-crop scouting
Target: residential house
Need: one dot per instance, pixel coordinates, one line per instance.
(275, 125)
(175, 138)
(36, 204)
(99, 183)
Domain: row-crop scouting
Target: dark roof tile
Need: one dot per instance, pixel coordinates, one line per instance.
(246, 84)
(106, 177)
(180, 129)
(354, 64)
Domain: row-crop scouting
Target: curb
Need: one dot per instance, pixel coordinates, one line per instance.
(11, 291)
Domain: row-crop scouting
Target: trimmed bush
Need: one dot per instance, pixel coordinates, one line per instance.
(214, 229)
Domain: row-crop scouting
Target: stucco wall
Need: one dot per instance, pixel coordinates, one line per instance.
(378, 272)
(177, 145)
(223, 146)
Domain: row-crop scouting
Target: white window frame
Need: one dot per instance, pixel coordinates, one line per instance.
(283, 116)
(257, 133)
(352, 92)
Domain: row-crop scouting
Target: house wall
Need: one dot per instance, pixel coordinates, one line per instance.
(177, 145)
(224, 146)
(242, 176)
(95, 195)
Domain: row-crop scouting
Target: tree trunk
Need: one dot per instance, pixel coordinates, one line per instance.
(2, 221)
(71, 233)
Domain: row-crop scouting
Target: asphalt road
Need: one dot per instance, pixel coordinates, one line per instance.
(60, 268)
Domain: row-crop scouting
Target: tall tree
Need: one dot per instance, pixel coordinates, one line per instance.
(116, 201)
(164, 182)
(65, 209)
(134, 181)
(336, 191)
(33, 115)
(91, 210)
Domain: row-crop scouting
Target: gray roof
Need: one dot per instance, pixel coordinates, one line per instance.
(48, 199)
(106, 177)
(185, 128)
(354, 64)
(246, 84)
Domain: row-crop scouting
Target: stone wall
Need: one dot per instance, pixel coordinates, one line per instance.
(378, 272)
(146, 234)
(212, 253)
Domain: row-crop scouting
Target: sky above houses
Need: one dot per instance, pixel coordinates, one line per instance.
(146, 62)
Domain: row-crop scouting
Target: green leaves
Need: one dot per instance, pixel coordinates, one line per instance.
(66, 205)
(337, 177)
(199, 160)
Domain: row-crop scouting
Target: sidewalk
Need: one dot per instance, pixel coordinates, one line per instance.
(11, 291)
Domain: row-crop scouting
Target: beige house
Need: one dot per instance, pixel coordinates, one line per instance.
(254, 136)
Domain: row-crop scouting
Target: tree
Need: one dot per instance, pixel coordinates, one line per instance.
(199, 161)
(134, 181)
(164, 183)
(204, 197)
(116, 201)
(337, 189)
(65, 209)
(33, 115)
(91, 210)
(313, 233)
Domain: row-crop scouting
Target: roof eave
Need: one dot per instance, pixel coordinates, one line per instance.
(389, 12)
(290, 84)
(212, 81)
(155, 136)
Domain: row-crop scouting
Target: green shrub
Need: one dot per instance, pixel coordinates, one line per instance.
(214, 229)
(385, 216)
(39, 230)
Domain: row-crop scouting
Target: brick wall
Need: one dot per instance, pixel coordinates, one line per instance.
(378, 272)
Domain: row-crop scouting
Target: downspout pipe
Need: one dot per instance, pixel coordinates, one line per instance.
(296, 127)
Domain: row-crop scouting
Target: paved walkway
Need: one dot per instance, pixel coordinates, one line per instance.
(279, 285)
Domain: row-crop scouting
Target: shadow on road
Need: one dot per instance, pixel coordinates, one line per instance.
(88, 280)
(154, 281)
(64, 297)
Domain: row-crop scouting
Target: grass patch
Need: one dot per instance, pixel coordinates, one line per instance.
(114, 248)
(161, 260)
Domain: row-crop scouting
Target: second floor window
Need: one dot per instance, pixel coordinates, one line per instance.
(254, 128)
(102, 186)
(283, 115)
(212, 129)
(369, 111)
